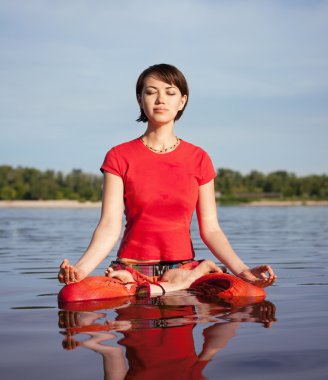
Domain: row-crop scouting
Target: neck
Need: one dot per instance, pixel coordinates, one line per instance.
(160, 134)
(160, 130)
(160, 140)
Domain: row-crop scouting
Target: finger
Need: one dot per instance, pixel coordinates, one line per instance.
(67, 275)
(60, 277)
(72, 274)
(268, 282)
(71, 318)
(265, 271)
(61, 319)
(64, 264)
(67, 315)
(61, 273)
(263, 275)
(76, 319)
(272, 280)
(270, 315)
(270, 271)
(261, 283)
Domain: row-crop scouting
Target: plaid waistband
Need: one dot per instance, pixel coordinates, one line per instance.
(148, 269)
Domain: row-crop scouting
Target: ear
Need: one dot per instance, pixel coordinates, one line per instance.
(183, 102)
(139, 100)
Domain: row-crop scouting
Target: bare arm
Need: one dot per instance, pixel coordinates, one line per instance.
(105, 235)
(211, 232)
(215, 239)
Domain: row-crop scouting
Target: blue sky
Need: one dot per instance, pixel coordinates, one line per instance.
(257, 72)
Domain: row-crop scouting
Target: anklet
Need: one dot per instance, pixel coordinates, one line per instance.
(163, 290)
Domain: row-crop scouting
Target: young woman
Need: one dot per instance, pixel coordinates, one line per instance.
(158, 180)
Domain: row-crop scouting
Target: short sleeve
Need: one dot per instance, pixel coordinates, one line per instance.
(111, 163)
(207, 170)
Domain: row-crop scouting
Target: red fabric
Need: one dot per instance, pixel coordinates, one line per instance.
(140, 278)
(94, 288)
(166, 353)
(160, 195)
(227, 287)
(218, 285)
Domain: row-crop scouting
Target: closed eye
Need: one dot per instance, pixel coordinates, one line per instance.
(150, 92)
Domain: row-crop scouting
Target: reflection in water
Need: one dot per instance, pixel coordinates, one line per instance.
(158, 333)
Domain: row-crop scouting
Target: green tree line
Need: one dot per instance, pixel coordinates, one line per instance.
(32, 184)
(231, 184)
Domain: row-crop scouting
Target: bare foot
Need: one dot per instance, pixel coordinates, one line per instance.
(70, 319)
(118, 325)
(123, 275)
(186, 277)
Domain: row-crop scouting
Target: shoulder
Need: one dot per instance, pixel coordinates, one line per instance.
(125, 149)
(201, 162)
(117, 158)
(125, 146)
(194, 149)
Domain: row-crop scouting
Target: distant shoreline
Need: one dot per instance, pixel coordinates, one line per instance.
(77, 204)
(265, 202)
(49, 204)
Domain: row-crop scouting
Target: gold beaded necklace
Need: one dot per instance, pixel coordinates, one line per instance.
(161, 150)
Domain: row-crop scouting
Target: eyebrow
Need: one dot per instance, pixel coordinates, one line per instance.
(167, 88)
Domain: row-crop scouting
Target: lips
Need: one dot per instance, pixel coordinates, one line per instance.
(160, 109)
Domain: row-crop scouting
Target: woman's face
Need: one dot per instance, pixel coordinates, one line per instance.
(160, 101)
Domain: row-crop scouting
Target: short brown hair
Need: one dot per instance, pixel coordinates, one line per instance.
(168, 74)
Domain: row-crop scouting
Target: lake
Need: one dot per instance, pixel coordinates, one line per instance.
(180, 336)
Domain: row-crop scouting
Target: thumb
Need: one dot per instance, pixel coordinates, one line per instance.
(64, 263)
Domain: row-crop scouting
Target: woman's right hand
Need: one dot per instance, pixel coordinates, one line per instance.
(261, 276)
(68, 273)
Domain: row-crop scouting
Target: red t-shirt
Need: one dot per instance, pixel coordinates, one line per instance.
(162, 353)
(160, 196)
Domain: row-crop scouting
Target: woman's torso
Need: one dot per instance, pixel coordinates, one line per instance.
(160, 196)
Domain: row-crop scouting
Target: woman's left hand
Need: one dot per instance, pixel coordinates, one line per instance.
(261, 276)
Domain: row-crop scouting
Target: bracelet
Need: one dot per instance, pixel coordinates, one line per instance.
(163, 290)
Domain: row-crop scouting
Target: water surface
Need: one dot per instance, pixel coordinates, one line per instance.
(178, 335)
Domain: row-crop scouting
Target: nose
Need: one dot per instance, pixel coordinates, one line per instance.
(160, 98)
